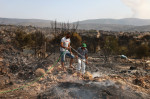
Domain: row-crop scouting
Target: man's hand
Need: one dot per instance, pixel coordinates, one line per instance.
(76, 56)
(86, 62)
(68, 48)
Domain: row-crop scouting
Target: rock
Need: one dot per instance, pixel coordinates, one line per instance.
(70, 71)
(1, 63)
(97, 79)
(133, 71)
(123, 71)
(20, 75)
(39, 72)
(75, 74)
(133, 68)
(4, 81)
(1, 59)
(4, 70)
(7, 64)
(88, 76)
(139, 82)
(148, 61)
(14, 68)
(147, 67)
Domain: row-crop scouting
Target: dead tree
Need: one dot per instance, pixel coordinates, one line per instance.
(75, 27)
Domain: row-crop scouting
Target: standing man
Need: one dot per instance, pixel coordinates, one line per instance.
(66, 50)
(82, 58)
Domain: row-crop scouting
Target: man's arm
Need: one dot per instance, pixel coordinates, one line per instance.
(69, 47)
(86, 57)
(62, 45)
(76, 54)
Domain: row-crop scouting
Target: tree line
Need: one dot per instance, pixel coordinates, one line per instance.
(109, 45)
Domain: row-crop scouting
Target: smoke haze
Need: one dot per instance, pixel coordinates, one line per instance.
(140, 8)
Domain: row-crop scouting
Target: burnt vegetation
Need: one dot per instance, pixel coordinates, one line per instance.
(28, 51)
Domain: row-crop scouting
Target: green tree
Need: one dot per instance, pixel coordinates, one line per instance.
(75, 40)
(109, 47)
(132, 48)
(19, 38)
(142, 51)
(123, 50)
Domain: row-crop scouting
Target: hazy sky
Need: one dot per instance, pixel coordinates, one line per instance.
(74, 10)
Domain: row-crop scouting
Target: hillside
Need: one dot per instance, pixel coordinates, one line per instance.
(25, 22)
(126, 21)
(106, 27)
(140, 28)
(114, 27)
(128, 24)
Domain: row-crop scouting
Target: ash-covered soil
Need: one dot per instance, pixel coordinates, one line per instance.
(117, 79)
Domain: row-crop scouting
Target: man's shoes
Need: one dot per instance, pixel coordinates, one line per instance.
(64, 69)
(71, 67)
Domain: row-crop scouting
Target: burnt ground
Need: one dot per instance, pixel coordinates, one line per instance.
(118, 79)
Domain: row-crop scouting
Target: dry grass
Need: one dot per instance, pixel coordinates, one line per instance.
(39, 72)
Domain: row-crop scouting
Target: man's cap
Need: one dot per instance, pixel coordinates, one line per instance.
(84, 45)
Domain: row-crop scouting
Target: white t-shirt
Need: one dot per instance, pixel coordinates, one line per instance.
(65, 43)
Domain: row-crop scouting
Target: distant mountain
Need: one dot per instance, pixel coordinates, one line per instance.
(106, 27)
(140, 28)
(126, 21)
(114, 27)
(25, 22)
(127, 24)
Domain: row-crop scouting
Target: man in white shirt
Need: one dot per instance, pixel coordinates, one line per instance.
(66, 50)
